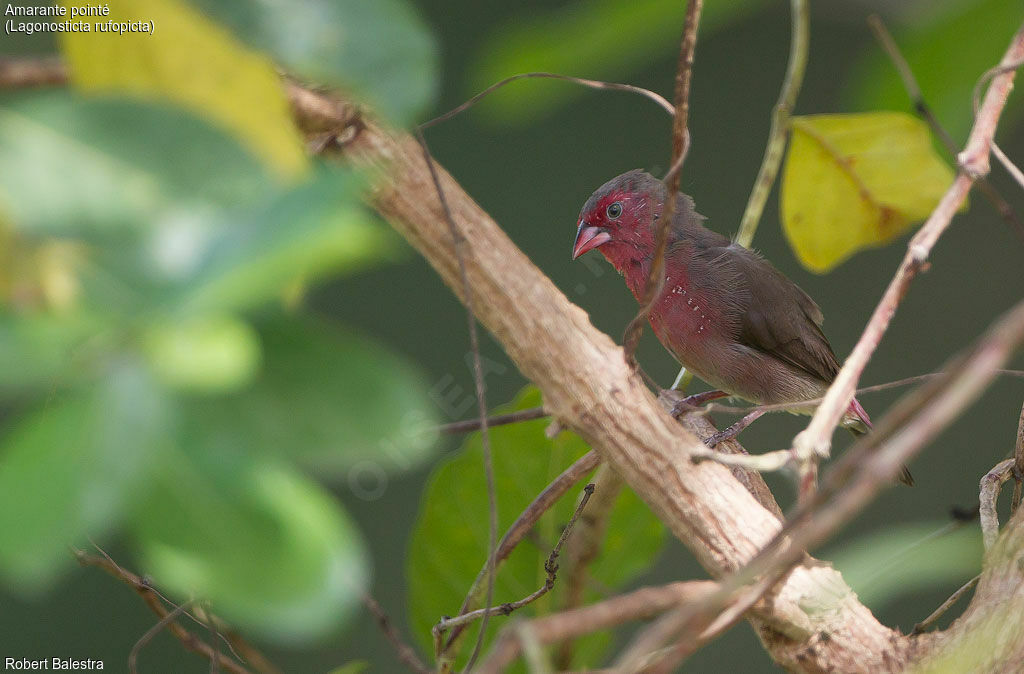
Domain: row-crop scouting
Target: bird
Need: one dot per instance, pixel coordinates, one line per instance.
(724, 312)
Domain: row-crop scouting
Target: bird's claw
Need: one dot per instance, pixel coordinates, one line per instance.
(713, 440)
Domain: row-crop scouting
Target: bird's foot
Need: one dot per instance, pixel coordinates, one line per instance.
(734, 430)
(721, 436)
(695, 401)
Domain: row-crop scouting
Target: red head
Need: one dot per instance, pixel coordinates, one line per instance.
(618, 218)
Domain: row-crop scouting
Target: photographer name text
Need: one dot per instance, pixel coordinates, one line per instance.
(51, 664)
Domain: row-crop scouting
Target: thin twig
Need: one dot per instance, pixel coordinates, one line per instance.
(814, 441)
(525, 522)
(640, 604)
(21, 73)
(585, 545)
(478, 381)
(924, 110)
(1018, 463)
(1010, 167)
(945, 606)
(155, 601)
(470, 425)
(593, 84)
(133, 655)
(498, 420)
(550, 566)
(405, 653)
(800, 37)
(680, 148)
(988, 494)
(1005, 67)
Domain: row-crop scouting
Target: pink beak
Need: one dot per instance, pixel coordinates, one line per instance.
(588, 238)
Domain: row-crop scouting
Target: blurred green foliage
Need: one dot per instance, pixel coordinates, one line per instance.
(163, 385)
(162, 381)
(948, 46)
(448, 546)
(606, 39)
(884, 566)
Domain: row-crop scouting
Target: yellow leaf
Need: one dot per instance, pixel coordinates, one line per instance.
(855, 181)
(192, 62)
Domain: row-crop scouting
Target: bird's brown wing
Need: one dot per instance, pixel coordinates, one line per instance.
(773, 314)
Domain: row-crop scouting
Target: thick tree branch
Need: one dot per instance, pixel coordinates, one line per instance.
(589, 387)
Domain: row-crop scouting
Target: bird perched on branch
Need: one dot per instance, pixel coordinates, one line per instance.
(724, 312)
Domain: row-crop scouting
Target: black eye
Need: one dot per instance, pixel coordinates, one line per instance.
(614, 210)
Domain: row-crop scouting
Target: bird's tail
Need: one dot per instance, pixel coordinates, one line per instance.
(859, 423)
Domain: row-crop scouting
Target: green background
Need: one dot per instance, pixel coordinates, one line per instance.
(532, 177)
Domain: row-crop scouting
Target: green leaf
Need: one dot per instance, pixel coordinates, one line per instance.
(884, 566)
(209, 354)
(605, 39)
(38, 352)
(328, 398)
(449, 542)
(315, 228)
(273, 552)
(379, 50)
(980, 30)
(83, 166)
(68, 470)
(854, 181)
(194, 63)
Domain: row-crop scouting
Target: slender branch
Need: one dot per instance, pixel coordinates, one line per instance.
(924, 110)
(945, 606)
(532, 413)
(497, 420)
(987, 638)
(680, 147)
(1006, 66)
(478, 380)
(584, 546)
(799, 44)
(405, 653)
(155, 601)
(641, 604)
(1018, 464)
(1010, 167)
(593, 84)
(20, 73)
(815, 439)
(987, 496)
(133, 655)
(551, 567)
(525, 522)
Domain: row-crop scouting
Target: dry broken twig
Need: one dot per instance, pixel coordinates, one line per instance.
(550, 567)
